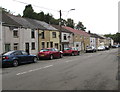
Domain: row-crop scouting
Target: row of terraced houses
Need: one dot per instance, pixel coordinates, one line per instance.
(31, 35)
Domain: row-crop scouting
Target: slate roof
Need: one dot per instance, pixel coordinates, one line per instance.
(8, 21)
(34, 22)
(97, 36)
(76, 31)
(47, 26)
(62, 29)
(22, 21)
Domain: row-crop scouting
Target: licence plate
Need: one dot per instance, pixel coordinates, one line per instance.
(42, 55)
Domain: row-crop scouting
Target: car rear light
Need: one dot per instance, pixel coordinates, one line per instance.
(5, 57)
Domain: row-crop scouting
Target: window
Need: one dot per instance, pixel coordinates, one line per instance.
(24, 53)
(18, 53)
(33, 45)
(51, 44)
(7, 47)
(56, 45)
(47, 44)
(54, 34)
(65, 38)
(80, 37)
(43, 44)
(15, 46)
(42, 35)
(77, 45)
(15, 33)
(32, 34)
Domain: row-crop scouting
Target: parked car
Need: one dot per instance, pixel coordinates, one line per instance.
(50, 53)
(114, 46)
(17, 57)
(71, 51)
(90, 49)
(107, 47)
(101, 48)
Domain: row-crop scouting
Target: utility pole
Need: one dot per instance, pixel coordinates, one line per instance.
(60, 24)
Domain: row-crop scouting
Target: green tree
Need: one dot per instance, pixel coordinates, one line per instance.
(41, 16)
(115, 37)
(70, 23)
(80, 26)
(29, 12)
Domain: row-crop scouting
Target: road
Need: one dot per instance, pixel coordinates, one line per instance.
(89, 71)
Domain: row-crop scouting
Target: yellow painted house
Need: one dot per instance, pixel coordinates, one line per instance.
(81, 39)
(48, 38)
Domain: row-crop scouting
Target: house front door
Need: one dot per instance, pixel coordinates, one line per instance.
(27, 48)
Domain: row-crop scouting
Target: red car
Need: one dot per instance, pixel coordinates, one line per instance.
(50, 53)
(71, 51)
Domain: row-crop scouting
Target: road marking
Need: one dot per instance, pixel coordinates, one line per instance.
(34, 70)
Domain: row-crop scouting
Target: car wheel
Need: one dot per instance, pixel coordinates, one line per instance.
(72, 54)
(61, 55)
(15, 63)
(51, 57)
(35, 60)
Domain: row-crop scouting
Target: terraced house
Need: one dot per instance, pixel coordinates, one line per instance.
(66, 36)
(48, 38)
(80, 38)
(20, 34)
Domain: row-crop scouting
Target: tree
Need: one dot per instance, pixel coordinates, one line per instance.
(41, 16)
(70, 23)
(80, 26)
(115, 37)
(28, 11)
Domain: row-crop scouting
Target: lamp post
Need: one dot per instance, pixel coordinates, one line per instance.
(60, 28)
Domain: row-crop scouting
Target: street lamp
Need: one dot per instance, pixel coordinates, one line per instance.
(60, 27)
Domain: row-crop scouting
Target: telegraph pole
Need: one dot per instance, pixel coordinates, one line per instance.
(60, 30)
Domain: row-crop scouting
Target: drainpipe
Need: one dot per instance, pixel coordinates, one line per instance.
(1, 38)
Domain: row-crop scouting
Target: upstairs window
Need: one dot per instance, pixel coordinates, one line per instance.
(42, 35)
(32, 34)
(15, 33)
(65, 37)
(54, 34)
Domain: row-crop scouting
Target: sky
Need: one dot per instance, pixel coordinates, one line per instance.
(98, 16)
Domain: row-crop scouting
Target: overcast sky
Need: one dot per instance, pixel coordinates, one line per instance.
(99, 16)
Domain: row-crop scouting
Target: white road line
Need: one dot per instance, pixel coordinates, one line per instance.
(33, 70)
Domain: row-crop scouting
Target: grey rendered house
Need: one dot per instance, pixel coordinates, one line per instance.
(22, 36)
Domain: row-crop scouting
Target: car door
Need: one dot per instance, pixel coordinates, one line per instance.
(25, 56)
(57, 53)
(18, 55)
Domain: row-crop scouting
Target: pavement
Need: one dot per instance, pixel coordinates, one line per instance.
(88, 71)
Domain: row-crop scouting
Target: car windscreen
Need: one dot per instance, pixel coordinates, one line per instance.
(89, 47)
(67, 48)
(43, 50)
(8, 53)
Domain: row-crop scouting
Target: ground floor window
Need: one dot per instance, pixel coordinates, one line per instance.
(47, 44)
(56, 45)
(15, 47)
(33, 45)
(51, 44)
(43, 44)
(7, 47)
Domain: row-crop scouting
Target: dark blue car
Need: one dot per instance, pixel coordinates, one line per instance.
(17, 57)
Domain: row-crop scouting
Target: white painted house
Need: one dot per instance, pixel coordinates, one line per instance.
(19, 34)
(66, 37)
